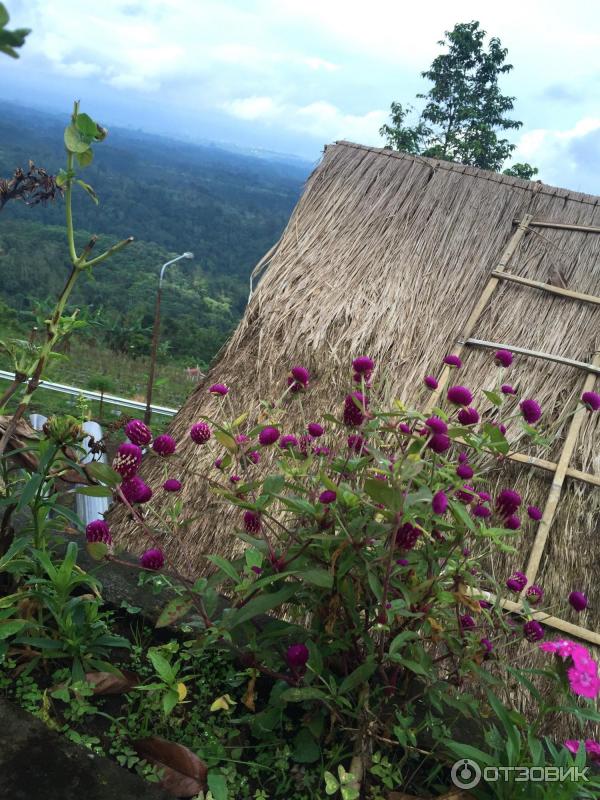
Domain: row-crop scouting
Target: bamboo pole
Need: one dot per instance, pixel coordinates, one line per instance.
(570, 362)
(551, 466)
(492, 283)
(543, 530)
(546, 287)
(564, 226)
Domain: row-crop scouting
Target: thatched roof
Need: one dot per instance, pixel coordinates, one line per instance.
(386, 254)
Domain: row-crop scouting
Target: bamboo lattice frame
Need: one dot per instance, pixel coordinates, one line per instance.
(561, 468)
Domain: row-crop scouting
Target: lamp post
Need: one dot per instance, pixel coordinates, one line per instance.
(155, 335)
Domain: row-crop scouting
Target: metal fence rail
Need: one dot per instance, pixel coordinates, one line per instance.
(111, 399)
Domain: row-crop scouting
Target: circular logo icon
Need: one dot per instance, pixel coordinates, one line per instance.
(465, 773)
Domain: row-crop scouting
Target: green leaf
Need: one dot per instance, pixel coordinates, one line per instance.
(402, 638)
(461, 515)
(104, 473)
(4, 17)
(318, 577)
(493, 397)
(473, 753)
(331, 783)
(170, 700)
(29, 491)
(174, 610)
(87, 188)
(259, 605)
(226, 440)
(86, 125)
(306, 749)
(273, 484)
(161, 665)
(217, 784)
(16, 547)
(380, 492)
(96, 550)
(226, 567)
(496, 437)
(85, 159)
(300, 695)
(75, 141)
(360, 675)
(11, 626)
(95, 491)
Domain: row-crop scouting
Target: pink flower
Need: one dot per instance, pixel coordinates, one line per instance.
(356, 443)
(135, 490)
(315, 429)
(268, 436)
(503, 358)
(593, 750)
(513, 523)
(439, 443)
(506, 388)
(164, 445)
(533, 631)
(430, 382)
(591, 400)
(531, 411)
(404, 428)
(407, 536)
(138, 432)
(200, 433)
(127, 460)
(327, 496)
(98, 531)
(439, 503)
(460, 395)
(453, 361)
(219, 389)
(252, 521)
(152, 559)
(584, 684)
(517, 582)
(468, 416)
(172, 485)
(297, 656)
(288, 441)
(363, 365)
(355, 405)
(298, 380)
(436, 425)
(508, 502)
(572, 746)
(534, 594)
(254, 456)
(533, 512)
(481, 510)
(578, 601)
(465, 471)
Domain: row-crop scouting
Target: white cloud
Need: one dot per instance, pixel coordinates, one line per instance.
(314, 62)
(252, 108)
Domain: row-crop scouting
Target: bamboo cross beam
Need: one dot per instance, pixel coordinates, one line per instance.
(570, 362)
(546, 287)
(564, 226)
(509, 251)
(562, 466)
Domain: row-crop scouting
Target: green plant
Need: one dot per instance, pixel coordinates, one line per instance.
(9, 40)
(167, 683)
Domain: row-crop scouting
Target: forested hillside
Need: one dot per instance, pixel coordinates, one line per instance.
(226, 207)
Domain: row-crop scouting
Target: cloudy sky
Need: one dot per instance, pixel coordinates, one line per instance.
(292, 75)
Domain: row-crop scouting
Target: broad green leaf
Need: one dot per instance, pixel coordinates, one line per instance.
(273, 484)
(86, 125)
(305, 749)
(300, 695)
(161, 665)
(174, 610)
(29, 491)
(11, 626)
(226, 567)
(473, 753)
(226, 440)
(380, 492)
(259, 605)
(85, 159)
(95, 491)
(493, 397)
(401, 639)
(331, 783)
(96, 550)
(217, 784)
(75, 141)
(102, 472)
(318, 577)
(360, 675)
(16, 547)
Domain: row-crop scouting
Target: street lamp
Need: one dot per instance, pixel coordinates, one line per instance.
(155, 334)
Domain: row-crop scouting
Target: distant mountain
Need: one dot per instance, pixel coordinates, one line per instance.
(227, 207)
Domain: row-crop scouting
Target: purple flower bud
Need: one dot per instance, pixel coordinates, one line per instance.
(487, 645)
(98, 531)
(402, 562)
(463, 458)
(218, 463)
(533, 631)
(517, 582)
(534, 513)
(296, 656)
(127, 460)
(234, 479)
(578, 601)
(512, 522)
(508, 502)
(138, 432)
(356, 443)
(328, 496)
(485, 604)
(485, 496)
(172, 485)
(268, 436)
(252, 521)
(468, 416)
(288, 441)
(534, 594)
(466, 495)
(407, 536)
(482, 511)
(315, 429)
(152, 559)
(164, 445)
(256, 570)
(460, 395)
(200, 433)
(506, 388)
(254, 456)
(301, 374)
(241, 438)
(436, 425)
(219, 388)
(321, 451)
(453, 361)
(439, 443)
(530, 410)
(503, 358)
(135, 490)
(404, 428)
(430, 382)
(467, 622)
(363, 365)
(355, 405)
(465, 471)
(591, 400)
(439, 503)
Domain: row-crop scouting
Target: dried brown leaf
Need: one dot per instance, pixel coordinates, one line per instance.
(183, 774)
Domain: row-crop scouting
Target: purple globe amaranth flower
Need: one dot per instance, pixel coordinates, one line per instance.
(241, 438)
(138, 432)
(503, 358)
(402, 562)
(327, 496)
(219, 389)
(256, 570)
(356, 443)
(218, 463)
(98, 531)
(321, 451)
(301, 374)
(164, 445)
(296, 656)
(152, 559)
(200, 433)
(268, 436)
(463, 457)
(436, 425)
(466, 495)
(404, 428)
(533, 512)
(531, 411)
(355, 406)
(485, 496)
(235, 479)
(430, 382)
(407, 536)
(468, 416)
(439, 503)
(512, 522)
(254, 456)
(467, 622)
(591, 400)
(485, 604)
(578, 601)
(506, 388)
(172, 485)
(487, 645)
(501, 427)
(363, 365)
(481, 511)
(517, 581)
(507, 502)
(135, 490)
(453, 361)
(252, 521)
(127, 460)
(315, 429)
(460, 395)
(534, 594)
(439, 443)
(288, 441)
(533, 631)
(465, 471)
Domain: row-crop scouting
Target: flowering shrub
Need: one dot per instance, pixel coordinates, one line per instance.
(367, 552)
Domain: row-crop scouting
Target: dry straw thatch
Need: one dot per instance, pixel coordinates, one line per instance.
(386, 254)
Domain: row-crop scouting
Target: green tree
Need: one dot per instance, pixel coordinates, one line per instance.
(10, 39)
(464, 110)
